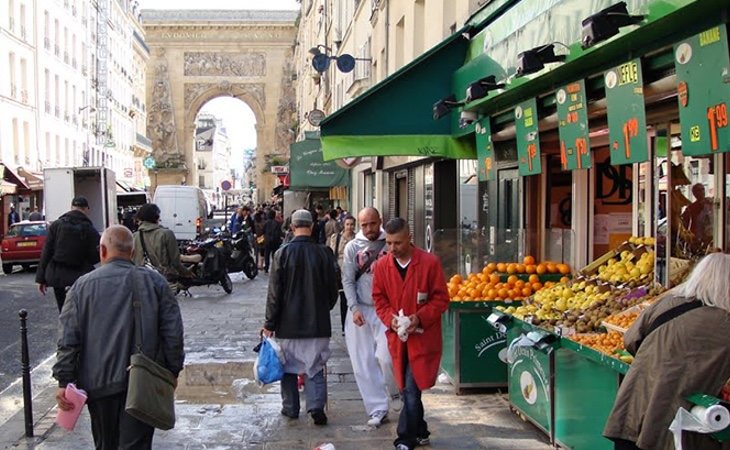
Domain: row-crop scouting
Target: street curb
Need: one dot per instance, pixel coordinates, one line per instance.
(12, 416)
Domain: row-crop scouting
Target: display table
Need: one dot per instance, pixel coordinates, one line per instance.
(586, 384)
(471, 347)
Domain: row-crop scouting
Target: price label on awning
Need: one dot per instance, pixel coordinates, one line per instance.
(573, 126)
(528, 138)
(626, 114)
(703, 91)
(485, 150)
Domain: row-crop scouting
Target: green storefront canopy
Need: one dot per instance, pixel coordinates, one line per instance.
(395, 117)
(307, 169)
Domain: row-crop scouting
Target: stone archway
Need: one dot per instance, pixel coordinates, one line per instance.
(196, 56)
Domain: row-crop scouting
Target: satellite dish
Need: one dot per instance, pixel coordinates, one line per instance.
(346, 63)
(321, 62)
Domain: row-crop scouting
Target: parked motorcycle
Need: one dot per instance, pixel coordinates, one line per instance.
(242, 258)
(207, 261)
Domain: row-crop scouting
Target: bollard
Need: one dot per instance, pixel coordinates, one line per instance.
(25, 365)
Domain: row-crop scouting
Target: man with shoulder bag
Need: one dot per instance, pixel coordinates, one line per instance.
(106, 311)
(157, 246)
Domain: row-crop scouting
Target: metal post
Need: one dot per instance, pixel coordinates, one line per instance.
(25, 365)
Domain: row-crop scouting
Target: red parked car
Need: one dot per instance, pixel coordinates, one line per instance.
(23, 245)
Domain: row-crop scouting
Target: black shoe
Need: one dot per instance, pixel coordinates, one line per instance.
(319, 417)
(289, 415)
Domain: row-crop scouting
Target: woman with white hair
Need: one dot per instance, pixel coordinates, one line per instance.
(682, 347)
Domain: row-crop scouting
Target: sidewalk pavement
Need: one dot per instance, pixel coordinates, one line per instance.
(219, 406)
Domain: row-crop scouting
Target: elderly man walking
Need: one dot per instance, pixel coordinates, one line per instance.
(96, 335)
(302, 291)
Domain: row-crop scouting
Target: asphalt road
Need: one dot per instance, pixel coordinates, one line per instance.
(18, 291)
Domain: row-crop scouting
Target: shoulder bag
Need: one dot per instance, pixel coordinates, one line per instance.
(151, 387)
(147, 261)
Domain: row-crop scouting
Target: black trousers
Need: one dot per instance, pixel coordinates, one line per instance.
(343, 309)
(60, 294)
(114, 429)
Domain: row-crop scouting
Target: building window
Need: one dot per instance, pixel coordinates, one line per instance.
(23, 34)
(26, 143)
(400, 43)
(419, 27)
(23, 80)
(11, 15)
(46, 31)
(16, 142)
(13, 86)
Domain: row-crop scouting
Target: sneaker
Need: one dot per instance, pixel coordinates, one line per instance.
(319, 417)
(396, 403)
(423, 441)
(402, 447)
(289, 415)
(377, 418)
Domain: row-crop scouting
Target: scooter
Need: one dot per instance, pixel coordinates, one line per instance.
(241, 257)
(207, 261)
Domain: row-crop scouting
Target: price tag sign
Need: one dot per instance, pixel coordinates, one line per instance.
(485, 150)
(626, 114)
(528, 138)
(703, 91)
(573, 126)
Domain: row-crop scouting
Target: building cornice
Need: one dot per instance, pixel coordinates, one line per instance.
(150, 16)
(283, 33)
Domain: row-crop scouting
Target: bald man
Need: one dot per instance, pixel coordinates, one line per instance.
(364, 332)
(96, 328)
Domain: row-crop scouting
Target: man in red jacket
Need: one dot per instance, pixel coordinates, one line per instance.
(411, 280)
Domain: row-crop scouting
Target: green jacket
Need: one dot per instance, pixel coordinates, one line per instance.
(161, 247)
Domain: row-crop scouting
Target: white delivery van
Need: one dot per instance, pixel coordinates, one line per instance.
(183, 209)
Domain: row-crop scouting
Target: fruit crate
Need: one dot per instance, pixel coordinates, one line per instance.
(586, 384)
(473, 351)
(609, 326)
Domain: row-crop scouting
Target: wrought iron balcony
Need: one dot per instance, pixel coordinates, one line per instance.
(57, 112)
(56, 50)
(24, 96)
(47, 43)
(48, 107)
(13, 90)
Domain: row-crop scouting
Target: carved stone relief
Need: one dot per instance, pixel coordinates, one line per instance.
(225, 64)
(286, 122)
(255, 90)
(161, 119)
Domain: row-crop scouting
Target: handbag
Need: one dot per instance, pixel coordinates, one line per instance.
(151, 387)
(261, 239)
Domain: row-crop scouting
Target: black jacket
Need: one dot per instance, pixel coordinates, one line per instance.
(97, 328)
(71, 250)
(302, 290)
(273, 233)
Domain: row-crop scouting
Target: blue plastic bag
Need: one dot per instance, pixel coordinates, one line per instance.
(269, 367)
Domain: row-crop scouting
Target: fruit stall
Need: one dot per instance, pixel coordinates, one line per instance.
(565, 344)
(474, 353)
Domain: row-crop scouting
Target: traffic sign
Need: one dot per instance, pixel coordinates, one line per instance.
(149, 162)
(226, 185)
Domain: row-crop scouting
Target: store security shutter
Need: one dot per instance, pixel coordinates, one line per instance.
(392, 203)
(411, 196)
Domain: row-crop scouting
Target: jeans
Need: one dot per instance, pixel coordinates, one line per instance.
(315, 391)
(410, 423)
(114, 429)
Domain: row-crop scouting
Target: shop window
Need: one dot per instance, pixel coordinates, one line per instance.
(686, 228)
(559, 211)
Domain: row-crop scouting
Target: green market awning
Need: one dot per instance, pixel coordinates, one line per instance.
(307, 168)
(395, 117)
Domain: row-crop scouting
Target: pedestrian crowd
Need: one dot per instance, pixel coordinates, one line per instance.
(392, 295)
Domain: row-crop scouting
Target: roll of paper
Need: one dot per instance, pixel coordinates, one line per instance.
(700, 419)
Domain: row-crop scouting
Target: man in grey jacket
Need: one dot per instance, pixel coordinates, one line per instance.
(96, 332)
(364, 331)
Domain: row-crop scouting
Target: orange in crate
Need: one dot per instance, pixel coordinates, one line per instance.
(528, 260)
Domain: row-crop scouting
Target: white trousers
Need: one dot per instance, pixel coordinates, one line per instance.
(371, 362)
